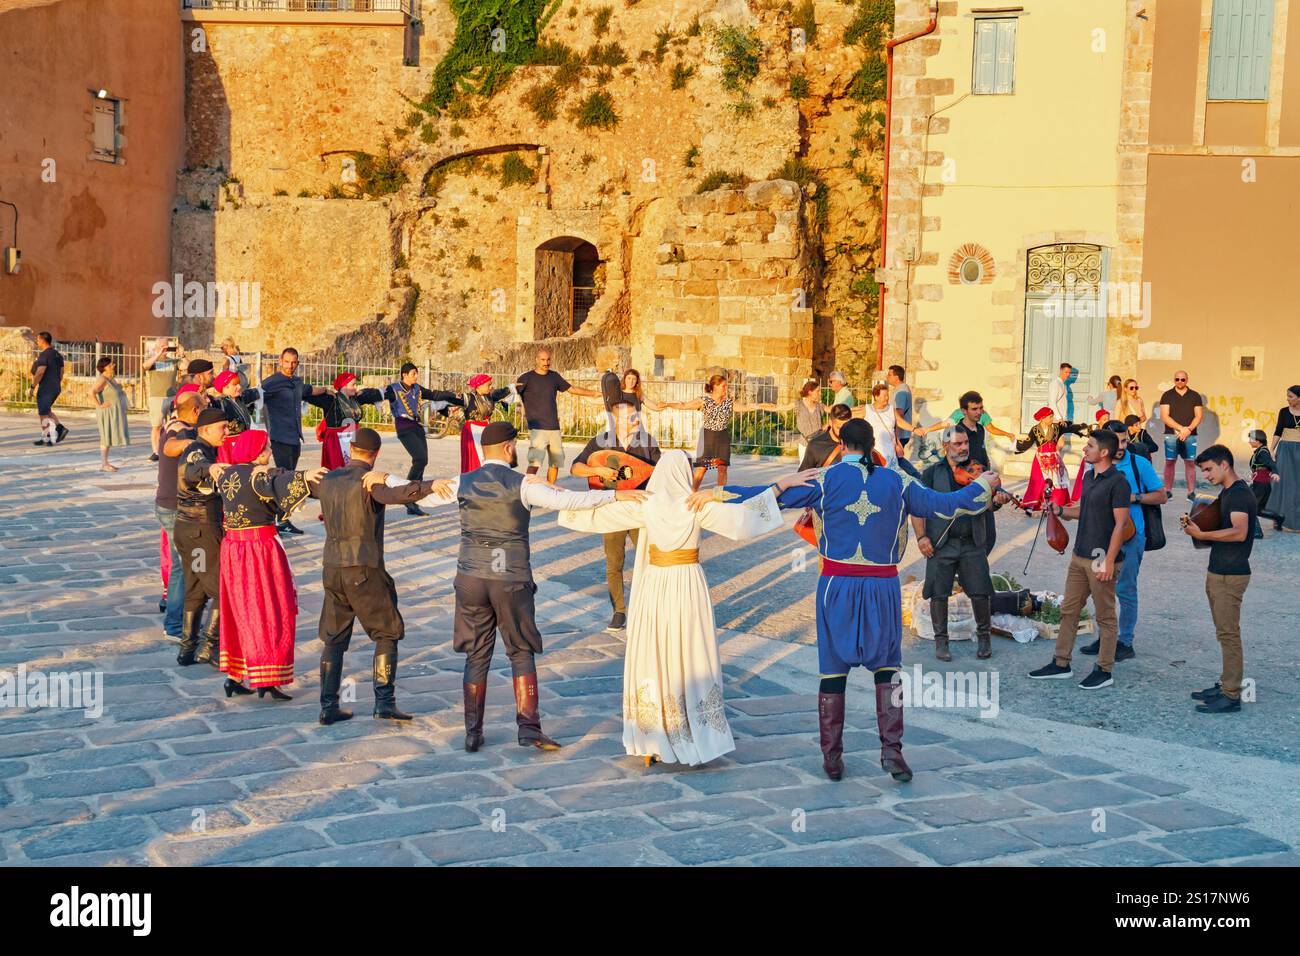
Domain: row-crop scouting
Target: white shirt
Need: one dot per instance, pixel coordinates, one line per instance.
(533, 493)
(882, 423)
(1056, 399)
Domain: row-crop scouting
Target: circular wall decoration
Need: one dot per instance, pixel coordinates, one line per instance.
(970, 264)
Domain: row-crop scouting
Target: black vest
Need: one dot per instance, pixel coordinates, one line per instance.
(983, 527)
(196, 495)
(493, 525)
(354, 522)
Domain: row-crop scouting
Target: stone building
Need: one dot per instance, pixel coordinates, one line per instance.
(1112, 184)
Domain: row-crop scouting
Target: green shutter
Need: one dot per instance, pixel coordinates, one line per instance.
(985, 55)
(995, 55)
(1006, 58)
(1241, 49)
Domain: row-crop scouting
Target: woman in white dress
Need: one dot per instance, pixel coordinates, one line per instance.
(672, 681)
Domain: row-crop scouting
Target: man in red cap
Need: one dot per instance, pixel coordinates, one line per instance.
(1048, 467)
(342, 418)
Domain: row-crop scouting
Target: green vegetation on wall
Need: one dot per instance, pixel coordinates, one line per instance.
(492, 38)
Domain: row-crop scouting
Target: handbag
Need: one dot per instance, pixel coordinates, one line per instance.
(1152, 516)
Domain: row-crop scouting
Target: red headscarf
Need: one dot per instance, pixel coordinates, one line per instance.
(224, 379)
(187, 387)
(246, 446)
(481, 378)
(343, 380)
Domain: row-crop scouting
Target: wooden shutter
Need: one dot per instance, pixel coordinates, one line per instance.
(1006, 56)
(995, 55)
(1241, 49)
(985, 56)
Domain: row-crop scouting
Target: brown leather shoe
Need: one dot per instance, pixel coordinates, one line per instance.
(527, 716)
(830, 722)
(475, 702)
(889, 718)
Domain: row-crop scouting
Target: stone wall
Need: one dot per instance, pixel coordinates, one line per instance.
(732, 269)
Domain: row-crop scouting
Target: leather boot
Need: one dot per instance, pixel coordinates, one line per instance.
(189, 637)
(210, 652)
(475, 702)
(830, 721)
(889, 717)
(983, 607)
(385, 676)
(331, 675)
(939, 618)
(527, 716)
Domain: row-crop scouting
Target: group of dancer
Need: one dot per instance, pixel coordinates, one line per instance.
(231, 505)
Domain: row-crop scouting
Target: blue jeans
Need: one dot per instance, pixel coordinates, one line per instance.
(1175, 449)
(176, 581)
(1126, 588)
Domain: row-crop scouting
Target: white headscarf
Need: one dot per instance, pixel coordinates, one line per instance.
(665, 511)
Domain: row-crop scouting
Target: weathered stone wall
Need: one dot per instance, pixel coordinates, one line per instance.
(322, 267)
(732, 267)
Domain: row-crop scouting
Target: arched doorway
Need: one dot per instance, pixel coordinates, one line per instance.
(564, 286)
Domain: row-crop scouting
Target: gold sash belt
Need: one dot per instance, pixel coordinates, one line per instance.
(668, 559)
(1291, 434)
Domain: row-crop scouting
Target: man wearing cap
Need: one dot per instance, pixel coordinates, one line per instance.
(198, 536)
(357, 586)
(342, 416)
(283, 393)
(404, 397)
(177, 434)
(494, 578)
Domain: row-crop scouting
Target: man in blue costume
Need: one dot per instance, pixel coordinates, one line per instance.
(860, 513)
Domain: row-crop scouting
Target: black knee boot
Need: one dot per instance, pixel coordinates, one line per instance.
(939, 618)
(384, 671)
(983, 607)
(331, 675)
(210, 653)
(189, 637)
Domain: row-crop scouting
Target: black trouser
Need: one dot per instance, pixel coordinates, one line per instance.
(365, 594)
(1261, 491)
(285, 454)
(959, 558)
(417, 446)
(199, 544)
(483, 606)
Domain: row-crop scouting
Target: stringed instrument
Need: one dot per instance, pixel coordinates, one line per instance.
(1207, 515)
(631, 471)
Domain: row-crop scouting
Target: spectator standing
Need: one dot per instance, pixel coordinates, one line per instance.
(843, 394)
(1060, 398)
(808, 413)
(1181, 409)
(110, 411)
(895, 379)
(1286, 451)
(1130, 403)
(159, 369)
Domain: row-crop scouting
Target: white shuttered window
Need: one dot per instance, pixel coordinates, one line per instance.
(995, 55)
(1241, 48)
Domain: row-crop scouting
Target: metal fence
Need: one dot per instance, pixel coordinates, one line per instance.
(752, 432)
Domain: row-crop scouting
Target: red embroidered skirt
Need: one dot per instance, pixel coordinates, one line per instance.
(259, 608)
(331, 449)
(471, 452)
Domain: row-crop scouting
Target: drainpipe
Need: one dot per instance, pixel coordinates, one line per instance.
(884, 190)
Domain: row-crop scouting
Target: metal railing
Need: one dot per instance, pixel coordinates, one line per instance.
(752, 432)
(307, 6)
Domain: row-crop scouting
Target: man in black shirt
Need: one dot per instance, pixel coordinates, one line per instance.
(47, 379)
(283, 393)
(1181, 409)
(1103, 517)
(1228, 575)
(198, 537)
(628, 437)
(824, 446)
(538, 389)
(957, 548)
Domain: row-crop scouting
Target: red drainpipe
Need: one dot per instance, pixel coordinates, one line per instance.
(884, 190)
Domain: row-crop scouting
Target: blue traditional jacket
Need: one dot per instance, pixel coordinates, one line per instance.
(861, 518)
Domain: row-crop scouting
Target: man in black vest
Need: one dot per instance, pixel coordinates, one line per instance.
(494, 578)
(957, 548)
(352, 502)
(198, 536)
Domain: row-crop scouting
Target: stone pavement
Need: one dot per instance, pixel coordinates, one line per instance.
(174, 773)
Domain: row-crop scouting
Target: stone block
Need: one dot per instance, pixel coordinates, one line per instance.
(968, 844)
(239, 847)
(474, 845)
(45, 813)
(863, 854)
(710, 846)
(561, 774)
(593, 829)
(689, 814)
(954, 811)
(451, 788)
(1075, 829)
(370, 827)
(1204, 846)
(605, 796)
(1181, 815)
(744, 778)
(89, 782)
(112, 834)
(1084, 794)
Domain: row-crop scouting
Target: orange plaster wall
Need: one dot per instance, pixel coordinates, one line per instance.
(96, 239)
(1173, 73)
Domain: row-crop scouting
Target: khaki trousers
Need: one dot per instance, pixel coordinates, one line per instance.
(1225, 592)
(1080, 582)
(615, 556)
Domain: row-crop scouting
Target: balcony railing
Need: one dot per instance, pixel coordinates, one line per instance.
(307, 6)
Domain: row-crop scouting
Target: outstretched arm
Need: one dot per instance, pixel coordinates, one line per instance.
(614, 516)
(926, 503)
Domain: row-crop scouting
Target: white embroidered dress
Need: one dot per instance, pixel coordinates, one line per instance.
(672, 679)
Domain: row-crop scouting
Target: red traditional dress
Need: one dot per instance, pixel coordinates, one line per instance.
(239, 414)
(478, 412)
(259, 602)
(342, 416)
(1046, 436)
